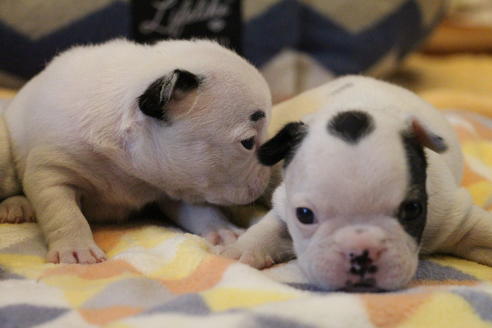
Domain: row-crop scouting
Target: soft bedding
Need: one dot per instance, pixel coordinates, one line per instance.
(158, 276)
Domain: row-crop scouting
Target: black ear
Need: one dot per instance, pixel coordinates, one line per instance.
(175, 85)
(282, 145)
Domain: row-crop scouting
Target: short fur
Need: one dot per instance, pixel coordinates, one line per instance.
(107, 129)
(357, 193)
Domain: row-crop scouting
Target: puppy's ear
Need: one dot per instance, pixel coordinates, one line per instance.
(174, 86)
(426, 137)
(282, 145)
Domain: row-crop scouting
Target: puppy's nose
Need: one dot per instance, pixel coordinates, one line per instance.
(362, 246)
(362, 264)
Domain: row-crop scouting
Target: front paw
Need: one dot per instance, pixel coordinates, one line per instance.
(251, 255)
(223, 236)
(88, 253)
(16, 209)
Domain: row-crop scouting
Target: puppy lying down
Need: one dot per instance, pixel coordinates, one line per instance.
(107, 129)
(370, 180)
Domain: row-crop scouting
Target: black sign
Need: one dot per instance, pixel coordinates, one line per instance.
(184, 19)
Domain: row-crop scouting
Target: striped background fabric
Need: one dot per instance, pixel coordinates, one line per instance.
(297, 44)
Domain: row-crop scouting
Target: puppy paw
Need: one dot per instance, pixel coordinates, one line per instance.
(250, 255)
(70, 254)
(16, 209)
(223, 236)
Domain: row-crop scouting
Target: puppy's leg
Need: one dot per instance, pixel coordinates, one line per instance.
(65, 228)
(16, 209)
(204, 220)
(263, 244)
(457, 226)
(476, 243)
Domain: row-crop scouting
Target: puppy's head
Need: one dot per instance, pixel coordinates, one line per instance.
(354, 195)
(203, 121)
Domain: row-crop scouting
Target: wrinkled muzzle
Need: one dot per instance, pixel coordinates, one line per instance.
(361, 258)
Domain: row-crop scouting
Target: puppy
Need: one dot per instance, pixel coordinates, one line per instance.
(107, 129)
(370, 179)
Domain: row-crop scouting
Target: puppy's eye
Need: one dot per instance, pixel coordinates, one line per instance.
(305, 215)
(248, 143)
(410, 210)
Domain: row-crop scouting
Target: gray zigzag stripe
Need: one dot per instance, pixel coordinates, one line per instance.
(24, 315)
(480, 301)
(429, 270)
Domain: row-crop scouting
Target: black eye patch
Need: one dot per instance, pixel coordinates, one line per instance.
(417, 170)
(351, 126)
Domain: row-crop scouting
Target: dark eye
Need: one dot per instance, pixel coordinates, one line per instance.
(411, 210)
(305, 215)
(248, 143)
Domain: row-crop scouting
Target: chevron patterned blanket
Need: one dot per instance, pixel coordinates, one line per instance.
(158, 276)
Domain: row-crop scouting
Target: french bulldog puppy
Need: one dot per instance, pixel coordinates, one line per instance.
(370, 180)
(104, 130)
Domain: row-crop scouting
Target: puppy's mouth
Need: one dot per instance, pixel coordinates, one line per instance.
(362, 286)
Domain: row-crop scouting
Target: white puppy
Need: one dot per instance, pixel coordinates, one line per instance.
(107, 129)
(370, 179)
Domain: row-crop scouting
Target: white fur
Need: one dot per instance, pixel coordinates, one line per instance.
(84, 150)
(14, 208)
(355, 189)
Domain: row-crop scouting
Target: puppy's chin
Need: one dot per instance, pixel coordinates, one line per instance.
(247, 193)
(192, 199)
(230, 197)
(236, 196)
(238, 192)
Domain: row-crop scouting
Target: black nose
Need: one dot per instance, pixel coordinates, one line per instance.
(362, 264)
